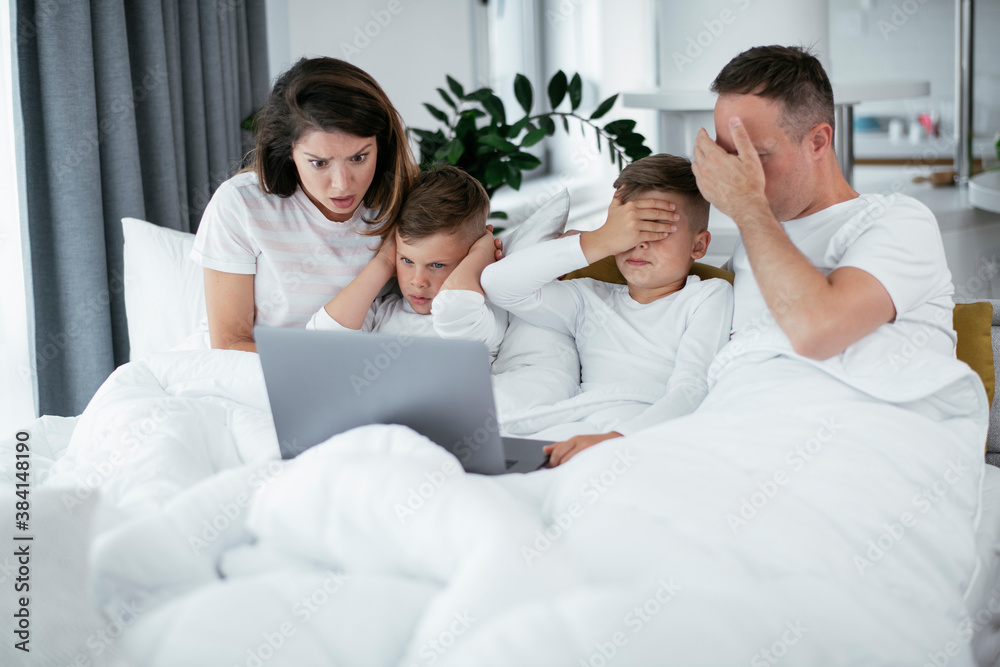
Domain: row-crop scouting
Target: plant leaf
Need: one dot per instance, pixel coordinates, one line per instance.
(526, 161)
(598, 134)
(517, 127)
(523, 93)
(533, 137)
(565, 124)
(494, 105)
(575, 91)
(630, 139)
(494, 173)
(604, 107)
(557, 88)
(513, 176)
(498, 214)
(618, 127)
(437, 113)
(450, 102)
(455, 86)
(498, 142)
(479, 95)
(547, 124)
(455, 148)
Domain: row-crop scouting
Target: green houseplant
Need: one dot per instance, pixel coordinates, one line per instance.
(478, 138)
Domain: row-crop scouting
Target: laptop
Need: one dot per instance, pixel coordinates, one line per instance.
(321, 383)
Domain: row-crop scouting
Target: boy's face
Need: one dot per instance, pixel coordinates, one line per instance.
(657, 264)
(422, 266)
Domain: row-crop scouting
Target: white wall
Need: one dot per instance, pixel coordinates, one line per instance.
(407, 45)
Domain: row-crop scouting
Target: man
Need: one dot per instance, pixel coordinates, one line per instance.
(820, 268)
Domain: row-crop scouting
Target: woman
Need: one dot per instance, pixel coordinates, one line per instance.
(330, 167)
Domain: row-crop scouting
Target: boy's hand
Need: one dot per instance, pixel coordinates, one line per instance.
(560, 452)
(488, 245)
(628, 225)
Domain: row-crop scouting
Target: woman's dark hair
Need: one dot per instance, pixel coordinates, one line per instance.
(331, 95)
(789, 74)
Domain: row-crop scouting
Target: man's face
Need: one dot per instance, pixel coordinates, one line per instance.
(788, 172)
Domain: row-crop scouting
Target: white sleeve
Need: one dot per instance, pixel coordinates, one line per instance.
(322, 321)
(223, 241)
(525, 284)
(465, 314)
(705, 333)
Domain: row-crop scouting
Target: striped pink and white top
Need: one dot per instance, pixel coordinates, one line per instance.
(299, 259)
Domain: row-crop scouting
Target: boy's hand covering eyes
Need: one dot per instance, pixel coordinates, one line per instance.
(628, 225)
(560, 452)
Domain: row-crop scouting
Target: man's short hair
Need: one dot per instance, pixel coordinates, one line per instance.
(666, 173)
(789, 74)
(444, 200)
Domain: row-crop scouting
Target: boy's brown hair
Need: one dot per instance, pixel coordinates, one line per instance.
(444, 200)
(666, 173)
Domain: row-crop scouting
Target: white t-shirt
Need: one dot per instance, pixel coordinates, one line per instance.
(896, 239)
(454, 314)
(666, 345)
(299, 259)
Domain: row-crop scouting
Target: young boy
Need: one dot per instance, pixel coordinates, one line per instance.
(439, 248)
(655, 335)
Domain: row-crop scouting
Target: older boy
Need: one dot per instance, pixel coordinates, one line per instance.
(437, 252)
(657, 333)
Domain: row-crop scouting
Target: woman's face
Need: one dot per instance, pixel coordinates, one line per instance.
(335, 170)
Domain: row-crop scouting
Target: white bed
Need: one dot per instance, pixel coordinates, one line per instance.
(681, 545)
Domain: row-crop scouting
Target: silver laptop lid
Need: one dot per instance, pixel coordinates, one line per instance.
(321, 383)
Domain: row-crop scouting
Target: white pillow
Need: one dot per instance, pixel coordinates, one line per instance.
(546, 223)
(164, 288)
(535, 366)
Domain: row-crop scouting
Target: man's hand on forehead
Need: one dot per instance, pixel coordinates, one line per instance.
(731, 183)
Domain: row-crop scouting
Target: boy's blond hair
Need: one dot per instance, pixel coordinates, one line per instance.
(444, 200)
(666, 173)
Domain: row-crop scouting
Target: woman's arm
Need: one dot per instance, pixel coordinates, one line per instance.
(230, 305)
(352, 304)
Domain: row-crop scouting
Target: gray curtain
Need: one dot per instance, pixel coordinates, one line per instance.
(128, 109)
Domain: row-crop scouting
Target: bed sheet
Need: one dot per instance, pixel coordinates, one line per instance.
(442, 568)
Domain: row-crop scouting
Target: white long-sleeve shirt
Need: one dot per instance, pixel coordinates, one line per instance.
(667, 344)
(454, 314)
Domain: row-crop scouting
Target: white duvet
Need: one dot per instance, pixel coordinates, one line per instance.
(800, 525)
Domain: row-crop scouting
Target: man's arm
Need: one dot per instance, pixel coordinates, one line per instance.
(821, 315)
